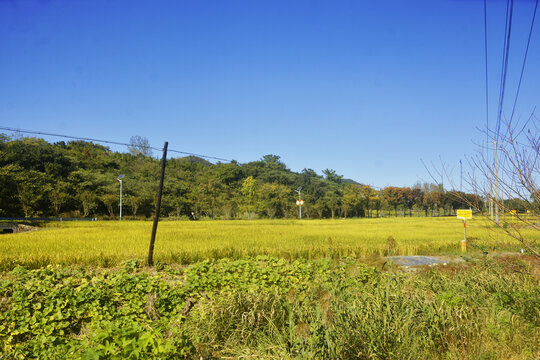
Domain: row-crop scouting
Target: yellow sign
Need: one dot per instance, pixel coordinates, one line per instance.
(513, 212)
(464, 214)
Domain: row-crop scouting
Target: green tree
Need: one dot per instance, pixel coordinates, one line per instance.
(229, 203)
(58, 196)
(109, 200)
(9, 202)
(38, 155)
(134, 203)
(332, 201)
(274, 199)
(88, 201)
(432, 201)
(369, 196)
(393, 196)
(332, 176)
(139, 146)
(319, 207)
(30, 191)
(270, 169)
(209, 195)
(376, 202)
(414, 197)
(249, 193)
(352, 199)
(177, 194)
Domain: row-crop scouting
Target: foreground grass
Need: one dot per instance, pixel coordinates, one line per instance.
(267, 307)
(108, 243)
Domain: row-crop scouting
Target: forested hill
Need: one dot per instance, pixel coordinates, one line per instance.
(79, 178)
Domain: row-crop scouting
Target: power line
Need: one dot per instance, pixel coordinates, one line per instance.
(199, 155)
(504, 68)
(524, 60)
(33, 132)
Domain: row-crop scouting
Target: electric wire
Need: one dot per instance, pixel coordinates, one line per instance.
(502, 64)
(33, 132)
(524, 60)
(504, 67)
(199, 155)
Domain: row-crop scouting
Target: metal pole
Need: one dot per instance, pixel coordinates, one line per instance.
(300, 198)
(120, 177)
(496, 186)
(158, 206)
(491, 191)
(121, 199)
(464, 241)
(460, 176)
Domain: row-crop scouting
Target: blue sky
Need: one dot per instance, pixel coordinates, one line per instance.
(363, 87)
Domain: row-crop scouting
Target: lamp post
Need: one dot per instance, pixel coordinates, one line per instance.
(299, 202)
(120, 177)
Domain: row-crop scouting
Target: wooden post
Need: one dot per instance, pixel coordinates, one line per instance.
(158, 206)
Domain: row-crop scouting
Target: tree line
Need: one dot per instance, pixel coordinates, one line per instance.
(79, 179)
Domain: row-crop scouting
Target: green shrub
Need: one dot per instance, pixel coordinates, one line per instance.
(266, 307)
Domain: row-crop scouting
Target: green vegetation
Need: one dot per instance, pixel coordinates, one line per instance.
(79, 179)
(108, 243)
(254, 287)
(266, 307)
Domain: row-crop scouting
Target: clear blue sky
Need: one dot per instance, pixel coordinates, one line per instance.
(363, 87)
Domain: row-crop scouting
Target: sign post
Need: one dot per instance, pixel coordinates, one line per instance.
(464, 214)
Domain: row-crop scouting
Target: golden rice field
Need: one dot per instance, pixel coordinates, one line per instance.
(107, 243)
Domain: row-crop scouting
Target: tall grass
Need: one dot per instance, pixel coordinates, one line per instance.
(107, 243)
(270, 308)
(481, 312)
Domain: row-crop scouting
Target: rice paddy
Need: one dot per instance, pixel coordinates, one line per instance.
(108, 243)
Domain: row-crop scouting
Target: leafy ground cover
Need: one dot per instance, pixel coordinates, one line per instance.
(108, 243)
(269, 307)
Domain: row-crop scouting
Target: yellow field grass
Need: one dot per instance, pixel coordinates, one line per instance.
(106, 243)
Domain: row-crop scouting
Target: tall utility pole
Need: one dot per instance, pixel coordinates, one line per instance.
(158, 206)
(491, 186)
(120, 177)
(491, 200)
(496, 185)
(460, 176)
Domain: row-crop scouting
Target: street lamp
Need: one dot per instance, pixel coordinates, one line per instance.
(299, 202)
(120, 177)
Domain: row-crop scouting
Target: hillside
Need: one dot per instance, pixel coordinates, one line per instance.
(79, 179)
